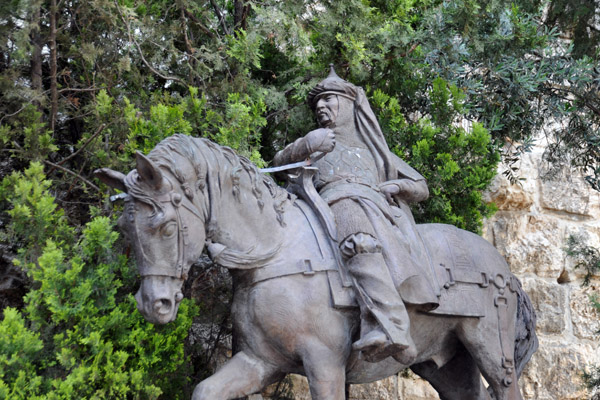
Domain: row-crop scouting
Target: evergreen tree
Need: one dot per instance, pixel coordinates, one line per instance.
(87, 83)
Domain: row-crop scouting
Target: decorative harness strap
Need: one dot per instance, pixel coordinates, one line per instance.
(181, 271)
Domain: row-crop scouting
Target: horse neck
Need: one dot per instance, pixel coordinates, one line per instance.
(247, 210)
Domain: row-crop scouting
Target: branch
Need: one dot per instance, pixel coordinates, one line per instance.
(220, 16)
(91, 89)
(98, 131)
(562, 88)
(53, 67)
(188, 45)
(68, 171)
(412, 48)
(131, 39)
(197, 22)
(15, 113)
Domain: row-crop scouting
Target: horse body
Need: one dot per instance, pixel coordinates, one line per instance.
(288, 324)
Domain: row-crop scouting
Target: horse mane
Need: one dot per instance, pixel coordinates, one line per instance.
(202, 156)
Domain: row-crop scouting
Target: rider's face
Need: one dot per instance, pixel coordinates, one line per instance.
(327, 109)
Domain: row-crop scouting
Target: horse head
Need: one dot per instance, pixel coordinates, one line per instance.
(159, 216)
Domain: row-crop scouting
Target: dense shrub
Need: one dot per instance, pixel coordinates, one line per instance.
(80, 335)
(458, 163)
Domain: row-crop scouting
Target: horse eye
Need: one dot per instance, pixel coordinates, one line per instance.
(169, 229)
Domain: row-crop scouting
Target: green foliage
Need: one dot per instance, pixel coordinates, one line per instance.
(28, 135)
(578, 19)
(80, 335)
(585, 257)
(19, 354)
(236, 123)
(450, 81)
(35, 217)
(458, 163)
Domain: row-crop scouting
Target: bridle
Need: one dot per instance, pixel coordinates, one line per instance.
(181, 271)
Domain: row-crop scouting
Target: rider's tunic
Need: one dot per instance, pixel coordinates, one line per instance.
(348, 181)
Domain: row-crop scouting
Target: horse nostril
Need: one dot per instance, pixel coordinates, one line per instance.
(178, 297)
(163, 306)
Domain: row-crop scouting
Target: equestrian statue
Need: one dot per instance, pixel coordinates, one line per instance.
(333, 279)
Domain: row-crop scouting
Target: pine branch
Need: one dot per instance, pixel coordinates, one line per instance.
(68, 171)
(98, 131)
(137, 45)
(220, 16)
(198, 23)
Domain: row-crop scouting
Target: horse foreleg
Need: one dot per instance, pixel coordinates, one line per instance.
(241, 376)
(326, 373)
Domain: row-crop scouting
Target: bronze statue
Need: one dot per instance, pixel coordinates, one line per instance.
(296, 308)
(367, 188)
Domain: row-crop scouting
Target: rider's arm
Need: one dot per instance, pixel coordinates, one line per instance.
(410, 187)
(293, 152)
(406, 189)
(318, 140)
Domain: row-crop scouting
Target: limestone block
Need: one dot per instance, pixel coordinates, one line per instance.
(293, 384)
(554, 372)
(585, 317)
(510, 197)
(550, 301)
(415, 388)
(567, 192)
(386, 389)
(529, 243)
(392, 388)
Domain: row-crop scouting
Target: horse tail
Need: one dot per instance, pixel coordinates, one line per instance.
(526, 341)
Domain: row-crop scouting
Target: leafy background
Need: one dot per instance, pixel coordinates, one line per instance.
(458, 86)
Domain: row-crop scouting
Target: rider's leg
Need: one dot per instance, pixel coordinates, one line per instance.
(384, 320)
(241, 376)
(385, 328)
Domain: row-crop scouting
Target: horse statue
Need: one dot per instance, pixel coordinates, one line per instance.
(291, 310)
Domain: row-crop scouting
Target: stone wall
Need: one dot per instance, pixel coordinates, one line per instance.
(530, 230)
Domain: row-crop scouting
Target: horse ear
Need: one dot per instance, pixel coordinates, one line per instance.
(114, 179)
(148, 171)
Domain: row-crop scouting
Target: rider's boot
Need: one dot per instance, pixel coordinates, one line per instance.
(385, 328)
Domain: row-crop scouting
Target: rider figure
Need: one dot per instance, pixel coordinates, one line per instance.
(367, 188)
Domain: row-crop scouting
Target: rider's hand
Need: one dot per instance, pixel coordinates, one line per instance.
(390, 189)
(322, 139)
(404, 190)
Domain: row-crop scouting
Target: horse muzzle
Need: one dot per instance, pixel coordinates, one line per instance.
(158, 299)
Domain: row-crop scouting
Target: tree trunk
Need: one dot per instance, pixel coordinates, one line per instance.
(241, 9)
(53, 66)
(36, 55)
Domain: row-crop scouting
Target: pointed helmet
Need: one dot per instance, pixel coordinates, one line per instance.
(333, 84)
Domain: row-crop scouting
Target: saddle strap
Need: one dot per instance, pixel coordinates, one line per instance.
(305, 266)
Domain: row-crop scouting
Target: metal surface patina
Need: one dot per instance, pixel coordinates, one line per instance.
(333, 278)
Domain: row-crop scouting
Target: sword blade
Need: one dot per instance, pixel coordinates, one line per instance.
(299, 164)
